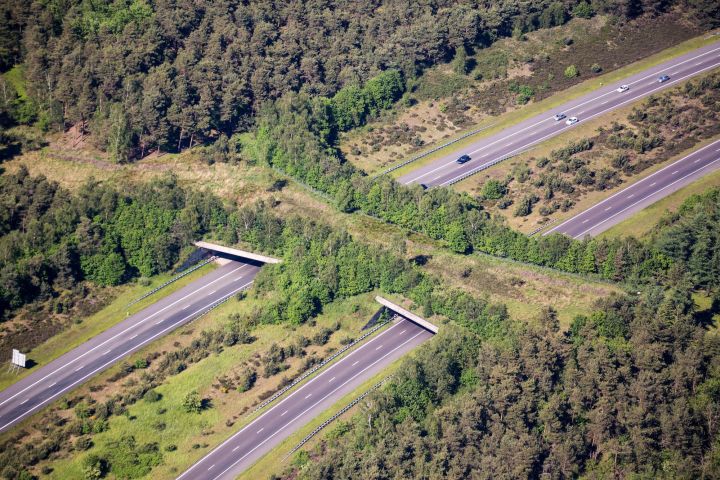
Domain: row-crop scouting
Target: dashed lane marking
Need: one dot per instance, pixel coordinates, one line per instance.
(308, 396)
(653, 184)
(355, 363)
(608, 208)
(378, 348)
(333, 378)
(403, 331)
(211, 467)
(260, 430)
(80, 368)
(283, 413)
(631, 195)
(586, 220)
(675, 172)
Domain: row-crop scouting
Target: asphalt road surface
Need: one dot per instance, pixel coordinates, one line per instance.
(521, 137)
(71, 369)
(639, 195)
(318, 394)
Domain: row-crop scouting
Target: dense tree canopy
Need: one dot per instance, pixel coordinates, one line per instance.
(51, 239)
(169, 74)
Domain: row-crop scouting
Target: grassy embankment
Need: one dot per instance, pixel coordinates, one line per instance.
(194, 434)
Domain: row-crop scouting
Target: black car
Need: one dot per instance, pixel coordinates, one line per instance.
(663, 78)
(463, 159)
(424, 187)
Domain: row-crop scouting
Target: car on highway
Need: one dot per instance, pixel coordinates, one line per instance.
(663, 78)
(423, 186)
(463, 159)
(571, 121)
(558, 116)
(623, 88)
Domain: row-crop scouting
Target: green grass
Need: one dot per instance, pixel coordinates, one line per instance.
(185, 430)
(114, 313)
(497, 124)
(16, 77)
(642, 222)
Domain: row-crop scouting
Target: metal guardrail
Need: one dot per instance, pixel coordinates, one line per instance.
(317, 367)
(172, 280)
(334, 417)
(425, 154)
(543, 227)
(485, 167)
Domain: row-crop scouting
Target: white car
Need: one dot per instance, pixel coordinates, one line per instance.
(623, 88)
(558, 116)
(571, 121)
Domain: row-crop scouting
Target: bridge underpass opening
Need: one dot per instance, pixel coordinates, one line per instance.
(236, 254)
(407, 314)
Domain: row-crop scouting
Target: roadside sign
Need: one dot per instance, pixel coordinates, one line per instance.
(18, 358)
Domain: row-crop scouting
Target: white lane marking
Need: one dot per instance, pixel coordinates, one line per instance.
(52, 385)
(605, 102)
(330, 381)
(185, 307)
(298, 416)
(308, 396)
(134, 336)
(159, 322)
(355, 363)
(674, 172)
(534, 142)
(263, 428)
(631, 195)
(119, 334)
(586, 220)
(212, 292)
(107, 351)
(79, 368)
(647, 196)
(24, 401)
(718, 150)
(296, 392)
(378, 348)
(567, 109)
(403, 331)
(211, 467)
(631, 186)
(653, 184)
(236, 448)
(147, 340)
(696, 161)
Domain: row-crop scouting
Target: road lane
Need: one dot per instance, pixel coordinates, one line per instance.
(313, 397)
(521, 137)
(71, 369)
(641, 194)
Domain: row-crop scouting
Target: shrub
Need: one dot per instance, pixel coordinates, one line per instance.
(595, 68)
(571, 71)
(583, 10)
(152, 396)
(192, 403)
(493, 190)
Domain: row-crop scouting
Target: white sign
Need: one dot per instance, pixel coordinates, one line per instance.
(18, 358)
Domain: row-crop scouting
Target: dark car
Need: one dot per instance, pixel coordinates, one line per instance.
(424, 187)
(463, 159)
(663, 78)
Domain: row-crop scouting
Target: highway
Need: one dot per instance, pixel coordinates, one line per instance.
(313, 397)
(641, 194)
(73, 368)
(518, 138)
